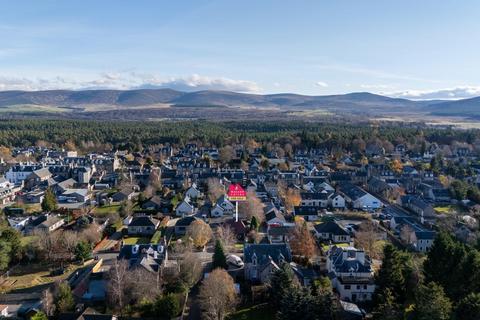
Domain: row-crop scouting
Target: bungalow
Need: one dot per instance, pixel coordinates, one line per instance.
(143, 226)
(359, 198)
(279, 234)
(154, 203)
(123, 195)
(182, 225)
(332, 231)
(51, 223)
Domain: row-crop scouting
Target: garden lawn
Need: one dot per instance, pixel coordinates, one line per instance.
(258, 312)
(136, 240)
(105, 210)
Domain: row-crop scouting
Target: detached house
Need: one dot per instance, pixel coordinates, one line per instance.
(143, 226)
(359, 198)
(351, 273)
(262, 259)
(332, 231)
(184, 208)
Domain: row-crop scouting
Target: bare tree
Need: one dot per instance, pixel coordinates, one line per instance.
(226, 154)
(91, 234)
(252, 207)
(118, 284)
(217, 295)
(191, 269)
(143, 284)
(48, 304)
(200, 233)
(215, 189)
(366, 238)
(225, 234)
(407, 234)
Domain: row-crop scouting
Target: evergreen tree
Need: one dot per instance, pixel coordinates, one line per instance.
(219, 258)
(64, 301)
(5, 254)
(12, 237)
(167, 306)
(254, 223)
(394, 273)
(281, 282)
(83, 251)
(468, 308)
(444, 262)
(387, 308)
(431, 303)
(49, 202)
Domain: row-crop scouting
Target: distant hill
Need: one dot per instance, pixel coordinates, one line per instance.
(466, 107)
(147, 97)
(346, 104)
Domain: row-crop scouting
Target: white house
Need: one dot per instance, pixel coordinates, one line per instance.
(193, 192)
(336, 201)
(351, 273)
(184, 208)
(359, 198)
(227, 206)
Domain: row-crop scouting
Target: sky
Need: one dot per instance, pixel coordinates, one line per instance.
(422, 49)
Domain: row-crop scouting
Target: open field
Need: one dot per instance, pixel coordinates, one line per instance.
(31, 275)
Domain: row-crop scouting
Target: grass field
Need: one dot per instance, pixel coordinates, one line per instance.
(31, 275)
(157, 236)
(259, 312)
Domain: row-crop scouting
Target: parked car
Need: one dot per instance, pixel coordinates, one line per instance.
(235, 261)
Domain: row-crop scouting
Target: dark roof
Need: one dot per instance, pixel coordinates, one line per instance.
(143, 221)
(186, 221)
(305, 210)
(331, 227)
(265, 251)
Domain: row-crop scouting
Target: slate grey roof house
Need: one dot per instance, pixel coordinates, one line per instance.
(262, 259)
(143, 225)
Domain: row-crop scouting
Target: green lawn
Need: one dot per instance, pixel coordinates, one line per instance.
(259, 312)
(341, 245)
(157, 236)
(103, 211)
(448, 209)
(136, 240)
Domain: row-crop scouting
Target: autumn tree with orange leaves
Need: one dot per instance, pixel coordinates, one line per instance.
(302, 242)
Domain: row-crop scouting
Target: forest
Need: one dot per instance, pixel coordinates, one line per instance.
(301, 135)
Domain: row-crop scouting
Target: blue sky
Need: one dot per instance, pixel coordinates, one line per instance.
(418, 49)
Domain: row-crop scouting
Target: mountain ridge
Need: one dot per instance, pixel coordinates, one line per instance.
(356, 102)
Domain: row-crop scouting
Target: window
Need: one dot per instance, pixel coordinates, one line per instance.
(358, 287)
(347, 287)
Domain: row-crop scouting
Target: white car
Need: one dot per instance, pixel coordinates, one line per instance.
(235, 261)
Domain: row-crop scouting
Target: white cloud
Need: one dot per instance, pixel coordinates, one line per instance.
(128, 80)
(321, 84)
(460, 92)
